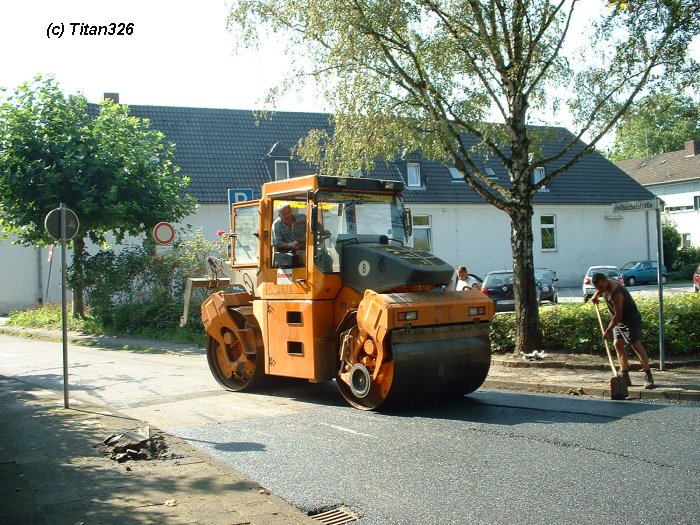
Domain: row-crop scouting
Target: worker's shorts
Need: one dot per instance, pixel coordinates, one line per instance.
(630, 332)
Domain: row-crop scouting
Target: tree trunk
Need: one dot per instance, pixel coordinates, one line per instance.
(527, 333)
(78, 254)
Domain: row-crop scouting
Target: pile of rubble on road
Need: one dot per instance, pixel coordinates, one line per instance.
(137, 446)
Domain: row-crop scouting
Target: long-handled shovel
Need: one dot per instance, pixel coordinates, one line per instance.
(618, 384)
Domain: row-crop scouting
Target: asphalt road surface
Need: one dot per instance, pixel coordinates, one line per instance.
(490, 458)
(494, 457)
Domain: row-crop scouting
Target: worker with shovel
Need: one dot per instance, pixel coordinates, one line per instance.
(626, 325)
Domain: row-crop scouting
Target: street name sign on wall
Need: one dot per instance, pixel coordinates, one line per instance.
(651, 204)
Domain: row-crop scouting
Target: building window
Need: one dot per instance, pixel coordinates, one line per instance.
(537, 175)
(421, 232)
(696, 202)
(490, 173)
(686, 240)
(413, 173)
(678, 209)
(455, 175)
(281, 169)
(548, 232)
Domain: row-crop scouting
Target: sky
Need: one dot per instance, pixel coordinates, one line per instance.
(179, 54)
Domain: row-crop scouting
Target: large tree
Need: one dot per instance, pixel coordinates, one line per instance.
(109, 167)
(423, 74)
(657, 124)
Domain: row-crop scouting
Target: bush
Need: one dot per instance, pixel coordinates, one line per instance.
(136, 291)
(574, 328)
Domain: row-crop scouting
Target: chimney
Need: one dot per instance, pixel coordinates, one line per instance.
(114, 97)
(692, 148)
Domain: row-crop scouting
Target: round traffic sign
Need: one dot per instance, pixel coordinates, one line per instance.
(52, 223)
(164, 233)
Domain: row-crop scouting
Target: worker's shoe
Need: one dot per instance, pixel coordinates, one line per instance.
(625, 375)
(648, 380)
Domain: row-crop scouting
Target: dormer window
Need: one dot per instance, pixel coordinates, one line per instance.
(455, 175)
(537, 175)
(281, 169)
(413, 174)
(277, 162)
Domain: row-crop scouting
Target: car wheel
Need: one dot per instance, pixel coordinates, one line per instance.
(632, 281)
(663, 279)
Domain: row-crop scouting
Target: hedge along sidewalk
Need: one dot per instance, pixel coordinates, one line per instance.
(574, 328)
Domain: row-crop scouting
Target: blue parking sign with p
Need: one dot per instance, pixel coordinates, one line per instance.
(239, 195)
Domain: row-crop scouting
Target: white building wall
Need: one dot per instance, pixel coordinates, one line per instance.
(475, 235)
(682, 194)
(479, 238)
(28, 278)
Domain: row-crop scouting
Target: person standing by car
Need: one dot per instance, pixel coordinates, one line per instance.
(625, 325)
(464, 280)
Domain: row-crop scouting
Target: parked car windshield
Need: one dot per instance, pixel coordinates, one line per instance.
(498, 279)
(543, 273)
(610, 272)
(628, 265)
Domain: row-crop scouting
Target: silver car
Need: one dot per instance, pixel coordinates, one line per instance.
(610, 271)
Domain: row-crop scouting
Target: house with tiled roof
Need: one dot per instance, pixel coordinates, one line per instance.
(575, 227)
(675, 178)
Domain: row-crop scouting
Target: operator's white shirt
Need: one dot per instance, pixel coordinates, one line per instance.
(461, 285)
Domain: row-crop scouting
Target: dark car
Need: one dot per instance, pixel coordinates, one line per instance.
(498, 286)
(549, 284)
(696, 279)
(642, 272)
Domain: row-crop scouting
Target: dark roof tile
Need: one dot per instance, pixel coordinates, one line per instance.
(223, 148)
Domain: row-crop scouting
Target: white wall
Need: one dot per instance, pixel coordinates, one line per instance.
(26, 275)
(682, 194)
(475, 235)
(478, 236)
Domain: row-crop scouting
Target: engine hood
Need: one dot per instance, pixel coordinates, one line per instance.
(382, 267)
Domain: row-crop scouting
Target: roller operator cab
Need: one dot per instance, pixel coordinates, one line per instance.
(353, 302)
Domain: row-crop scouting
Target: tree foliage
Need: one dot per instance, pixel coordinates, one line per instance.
(109, 167)
(425, 74)
(657, 124)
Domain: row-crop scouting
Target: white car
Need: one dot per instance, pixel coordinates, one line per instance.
(610, 271)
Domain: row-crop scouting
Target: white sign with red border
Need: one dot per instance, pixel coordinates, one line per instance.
(164, 233)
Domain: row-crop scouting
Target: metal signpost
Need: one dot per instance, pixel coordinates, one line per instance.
(652, 204)
(62, 224)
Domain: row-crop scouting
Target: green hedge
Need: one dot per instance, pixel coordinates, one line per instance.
(574, 328)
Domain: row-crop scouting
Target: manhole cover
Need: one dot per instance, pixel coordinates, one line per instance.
(337, 516)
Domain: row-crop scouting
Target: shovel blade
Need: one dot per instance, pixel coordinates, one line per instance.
(618, 388)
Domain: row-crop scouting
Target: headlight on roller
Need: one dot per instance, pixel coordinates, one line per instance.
(408, 316)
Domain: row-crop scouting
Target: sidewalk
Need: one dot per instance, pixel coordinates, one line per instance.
(54, 468)
(589, 375)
